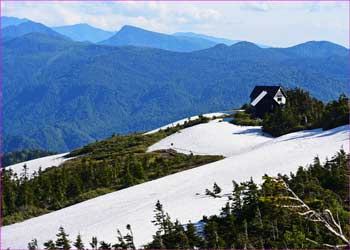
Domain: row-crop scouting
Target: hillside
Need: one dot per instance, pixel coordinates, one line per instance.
(62, 94)
(134, 205)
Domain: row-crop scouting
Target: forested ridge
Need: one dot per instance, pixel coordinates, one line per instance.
(60, 94)
(307, 209)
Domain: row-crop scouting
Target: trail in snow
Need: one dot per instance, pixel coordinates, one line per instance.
(249, 154)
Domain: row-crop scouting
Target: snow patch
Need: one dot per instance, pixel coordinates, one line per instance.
(214, 138)
(181, 122)
(43, 163)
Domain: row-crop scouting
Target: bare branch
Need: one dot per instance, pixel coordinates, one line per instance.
(326, 217)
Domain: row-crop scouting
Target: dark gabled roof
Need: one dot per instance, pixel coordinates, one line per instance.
(271, 91)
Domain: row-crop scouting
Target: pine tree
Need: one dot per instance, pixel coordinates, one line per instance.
(236, 198)
(178, 237)
(62, 241)
(121, 243)
(105, 246)
(33, 245)
(211, 235)
(127, 241)
(78, 244)
(50, 245)
(216, 189)
(94, 243)
(129, 238)
(162, 219)
(193, 239)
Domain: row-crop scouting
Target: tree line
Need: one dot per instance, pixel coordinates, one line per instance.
(305, 112)
(301, 112)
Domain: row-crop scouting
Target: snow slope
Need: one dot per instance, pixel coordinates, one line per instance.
(34, 165)
(214, 138)
(251, 155)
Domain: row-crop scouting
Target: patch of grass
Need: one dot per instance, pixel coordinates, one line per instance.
(24, 213)
(244, 119)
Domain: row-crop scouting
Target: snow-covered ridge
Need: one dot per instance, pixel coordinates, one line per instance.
(182, 121)
(43, 163)
(249, 153)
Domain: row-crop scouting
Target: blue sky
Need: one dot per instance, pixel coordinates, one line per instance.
(278, 24)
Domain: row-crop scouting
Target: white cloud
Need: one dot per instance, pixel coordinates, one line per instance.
(256, 6)
(273, 23)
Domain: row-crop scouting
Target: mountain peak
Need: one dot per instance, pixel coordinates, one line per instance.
(318, 49)
(82, 25)
(245, 44)
(320, 44)
(130, 28)
(29, 27)
(9, 20)
(135, 36)
(220, 46)
(84, 32)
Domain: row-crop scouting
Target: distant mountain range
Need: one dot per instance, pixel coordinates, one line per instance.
(210, 38)
(127, 35)
(217, 40)
(27, 27)
(59, 94)
(84, 32)
(130, 35)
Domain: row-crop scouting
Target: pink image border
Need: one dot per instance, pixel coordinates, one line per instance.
(97, 1)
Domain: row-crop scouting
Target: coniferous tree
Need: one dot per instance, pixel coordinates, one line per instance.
(78, 244)
(62, 241)
(161, 219)
(236, 198)
(179, 237)
(94, 243)
(121, 242)
(50, 245)
(127, 241)
(193, 239)
(105, 246)
(129, 238)
(216, 189)
(33, 245)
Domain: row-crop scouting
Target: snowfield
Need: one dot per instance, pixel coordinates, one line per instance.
(249, 154)
(182, 121)
(214, 138)
(43, 163)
